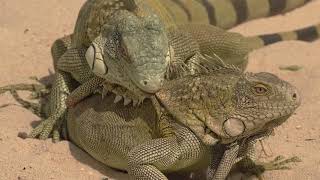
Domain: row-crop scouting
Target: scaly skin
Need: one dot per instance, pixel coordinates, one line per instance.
(106, 40)
(217, 114)
(224, 109)
(118, 63)
(187, 41)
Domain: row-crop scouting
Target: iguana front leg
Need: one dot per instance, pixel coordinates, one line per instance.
(70, 69)
(62, 86)
(83, 91)
(248, 167)
(59, 47)
(149, 160)
(146, 160)
(221, 171)
(231, 47)
(248, 164)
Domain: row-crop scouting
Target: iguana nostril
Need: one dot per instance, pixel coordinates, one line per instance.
(294, 96)
(150, 85)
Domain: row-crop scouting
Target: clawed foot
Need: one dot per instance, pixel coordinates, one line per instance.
(279, 163)
(46, 128)
(254, 168)
(38, 91)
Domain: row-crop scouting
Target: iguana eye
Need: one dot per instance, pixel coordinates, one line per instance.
(260, 89)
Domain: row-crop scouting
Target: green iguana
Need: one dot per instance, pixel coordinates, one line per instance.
(186, 122)
(134, 44)
(217, 114)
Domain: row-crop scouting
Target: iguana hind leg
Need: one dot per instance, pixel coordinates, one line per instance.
(39, 92)
(231, 47)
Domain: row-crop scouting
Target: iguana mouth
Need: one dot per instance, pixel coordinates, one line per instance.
(123, 94)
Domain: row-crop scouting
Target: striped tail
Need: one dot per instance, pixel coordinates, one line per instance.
(252, 9)
(226, 13)
(307, 34)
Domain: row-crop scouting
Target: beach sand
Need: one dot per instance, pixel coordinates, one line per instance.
(27, 30)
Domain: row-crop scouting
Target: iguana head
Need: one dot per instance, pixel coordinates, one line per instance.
(227, 105)
(131, 51)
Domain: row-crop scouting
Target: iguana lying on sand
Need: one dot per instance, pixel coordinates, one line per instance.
(224, 108)
(112, 41)
(209, 118)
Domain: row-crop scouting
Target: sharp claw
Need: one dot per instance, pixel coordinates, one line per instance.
(104, 92)
(126, 101)
(117, 99)
(140, 101)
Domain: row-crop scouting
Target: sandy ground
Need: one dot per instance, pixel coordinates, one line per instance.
(27, 30)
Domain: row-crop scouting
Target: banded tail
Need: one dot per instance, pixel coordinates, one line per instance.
(226, 13)
(307, 34)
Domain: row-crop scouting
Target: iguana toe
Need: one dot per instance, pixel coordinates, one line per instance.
(36, 131)
(280, 163)
(45, 129)
(56, 135)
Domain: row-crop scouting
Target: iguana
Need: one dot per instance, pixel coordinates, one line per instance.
(216, 114)
(104, 45)
(188, 118)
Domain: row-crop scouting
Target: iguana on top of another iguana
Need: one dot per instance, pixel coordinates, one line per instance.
(106, 24)
(221, 106)
(188, 40)
(224, 108)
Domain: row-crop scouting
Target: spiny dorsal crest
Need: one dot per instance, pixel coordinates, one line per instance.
(210, 65)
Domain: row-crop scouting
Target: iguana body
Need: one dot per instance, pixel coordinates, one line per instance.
(92, 43)
(224, 109)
